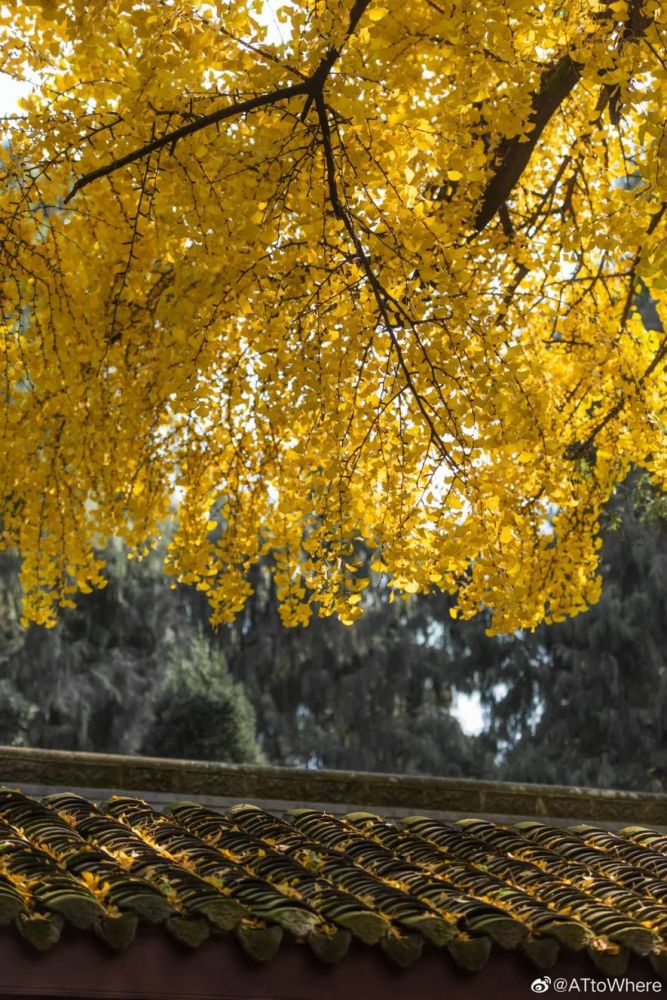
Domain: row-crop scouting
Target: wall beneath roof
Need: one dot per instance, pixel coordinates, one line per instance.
(97, 776)
(155, 968)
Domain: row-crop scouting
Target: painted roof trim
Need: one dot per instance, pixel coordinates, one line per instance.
(66, 769)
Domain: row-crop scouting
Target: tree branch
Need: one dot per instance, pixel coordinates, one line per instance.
(379, 293)
(580, 448)
(311, 87)
(319, 77)
(556, 84)
(327, 63)
(199, 123)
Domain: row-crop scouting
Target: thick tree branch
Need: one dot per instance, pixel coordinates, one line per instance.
(321, 74)
(513, 156)
(199, 123)
(556, 84)
(310, 87)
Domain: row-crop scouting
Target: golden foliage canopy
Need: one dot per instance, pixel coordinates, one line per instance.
(365, 270)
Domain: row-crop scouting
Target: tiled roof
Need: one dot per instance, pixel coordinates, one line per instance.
(466, 888)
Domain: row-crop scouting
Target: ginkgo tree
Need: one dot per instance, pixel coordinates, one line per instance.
(344, 275)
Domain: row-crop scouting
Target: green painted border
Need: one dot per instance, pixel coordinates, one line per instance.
(62, 768)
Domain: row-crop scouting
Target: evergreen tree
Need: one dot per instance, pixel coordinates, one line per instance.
(96, 680)
(202, 713)
(374, 696)
(135, 667)
(88, 683)
(594, 710)
(16, 711)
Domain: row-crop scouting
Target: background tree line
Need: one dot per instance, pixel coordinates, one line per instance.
(135, 668)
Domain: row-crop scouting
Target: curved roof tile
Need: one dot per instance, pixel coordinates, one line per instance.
(462, 888)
